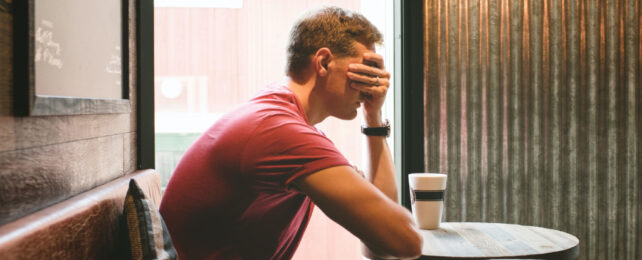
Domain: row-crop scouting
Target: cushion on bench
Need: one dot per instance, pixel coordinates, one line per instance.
(148, 235)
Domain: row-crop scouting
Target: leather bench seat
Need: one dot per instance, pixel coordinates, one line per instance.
(86, 226)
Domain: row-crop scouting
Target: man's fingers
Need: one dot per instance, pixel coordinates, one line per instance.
(365, 79)
(371, 72)
(374, 57)
(370, 83)
(376, 80)
(368, 70)
(369, 89)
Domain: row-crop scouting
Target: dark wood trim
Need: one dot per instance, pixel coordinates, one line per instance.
(412, 84)
(21, 54)
(125, 49)
(145, 94)
(27, 103)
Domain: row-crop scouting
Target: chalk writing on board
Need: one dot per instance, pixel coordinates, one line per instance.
(47, 49)
(114, 63)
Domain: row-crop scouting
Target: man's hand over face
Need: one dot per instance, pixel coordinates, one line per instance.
(372, 80)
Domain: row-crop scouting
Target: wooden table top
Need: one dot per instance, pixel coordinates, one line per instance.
(470, 240)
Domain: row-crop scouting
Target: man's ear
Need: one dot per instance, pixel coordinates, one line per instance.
(321, 60)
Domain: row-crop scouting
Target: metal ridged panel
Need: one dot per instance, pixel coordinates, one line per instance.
(533, 109)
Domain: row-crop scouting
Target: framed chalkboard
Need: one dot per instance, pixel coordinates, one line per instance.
(71, 57)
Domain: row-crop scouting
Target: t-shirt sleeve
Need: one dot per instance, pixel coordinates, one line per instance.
(282, 149)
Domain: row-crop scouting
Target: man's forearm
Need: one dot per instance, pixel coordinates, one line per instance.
(382, 170)
(381, 174)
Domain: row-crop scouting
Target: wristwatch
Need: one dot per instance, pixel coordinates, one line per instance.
(377, 131)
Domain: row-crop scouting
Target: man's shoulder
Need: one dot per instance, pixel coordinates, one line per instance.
(277, 102)
(269, 101)
(276, 95)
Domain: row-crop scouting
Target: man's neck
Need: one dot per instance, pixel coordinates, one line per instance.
(304, 91)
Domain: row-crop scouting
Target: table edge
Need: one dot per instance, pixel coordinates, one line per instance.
(569, 253)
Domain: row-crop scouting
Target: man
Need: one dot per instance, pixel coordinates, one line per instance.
(245, 188)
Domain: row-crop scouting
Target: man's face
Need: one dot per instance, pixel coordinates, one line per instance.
(342, 100)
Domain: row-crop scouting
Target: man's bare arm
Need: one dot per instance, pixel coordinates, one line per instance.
(381, 175)
(385, 227)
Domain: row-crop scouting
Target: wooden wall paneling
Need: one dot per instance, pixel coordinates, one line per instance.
(44, 160)
(129, 152)
(34, 178)
(7, 138)
(39, 131)
(133, 66)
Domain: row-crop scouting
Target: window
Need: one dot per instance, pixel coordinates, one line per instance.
(211, 56)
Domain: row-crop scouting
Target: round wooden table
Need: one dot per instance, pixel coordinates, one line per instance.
(469, 240)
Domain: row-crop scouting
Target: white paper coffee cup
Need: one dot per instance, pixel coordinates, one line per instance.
(427, 192)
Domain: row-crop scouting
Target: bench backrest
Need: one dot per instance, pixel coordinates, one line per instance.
(86, 226)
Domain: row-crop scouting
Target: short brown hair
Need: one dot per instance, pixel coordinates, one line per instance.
(331, 27)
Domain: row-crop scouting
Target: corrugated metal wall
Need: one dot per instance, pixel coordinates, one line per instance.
(533, 108)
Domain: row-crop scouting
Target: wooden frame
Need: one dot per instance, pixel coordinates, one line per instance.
(28, 103)
(146, 148)
(412, 93)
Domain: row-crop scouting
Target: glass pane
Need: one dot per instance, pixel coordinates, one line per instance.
(211, 56)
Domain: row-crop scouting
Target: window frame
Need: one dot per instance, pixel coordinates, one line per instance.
(409, 120)
(145, 84)
(409, 97)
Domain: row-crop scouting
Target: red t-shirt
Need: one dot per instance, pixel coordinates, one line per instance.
(230, 196)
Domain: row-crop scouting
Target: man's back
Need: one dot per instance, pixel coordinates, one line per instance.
(230, 196)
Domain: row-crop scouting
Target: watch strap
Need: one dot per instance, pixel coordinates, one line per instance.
(377, 131)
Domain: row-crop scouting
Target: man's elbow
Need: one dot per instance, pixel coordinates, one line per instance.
(406, 247)
(411, 248)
